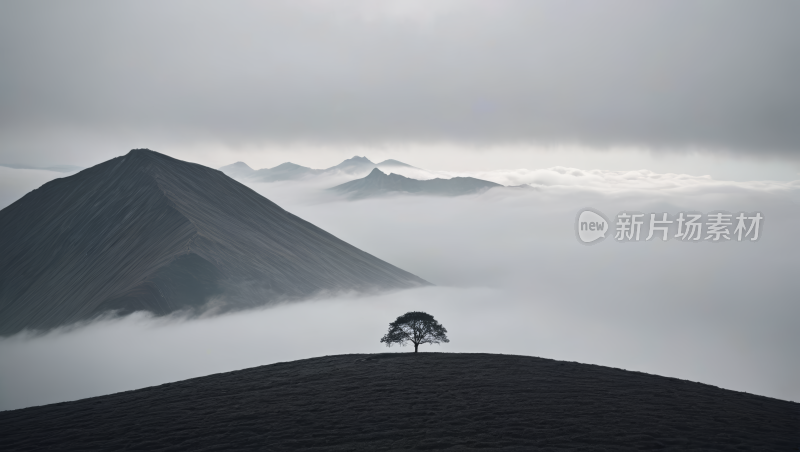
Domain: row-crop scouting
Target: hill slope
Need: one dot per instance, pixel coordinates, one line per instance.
(407, 401)
(378, 183)
(149, 232)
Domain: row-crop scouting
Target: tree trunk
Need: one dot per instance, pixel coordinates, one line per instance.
(415, 347)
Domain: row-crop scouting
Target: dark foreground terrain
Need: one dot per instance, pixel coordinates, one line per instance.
(407, 401)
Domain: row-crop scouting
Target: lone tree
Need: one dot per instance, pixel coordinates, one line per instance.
(417, 328)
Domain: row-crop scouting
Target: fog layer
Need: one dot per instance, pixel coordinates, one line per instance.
(512, 278)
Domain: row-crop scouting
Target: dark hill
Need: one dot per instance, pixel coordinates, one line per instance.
(378, 183)
(149, 232)
(407, 401)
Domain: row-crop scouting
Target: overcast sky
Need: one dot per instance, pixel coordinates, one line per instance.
(83, 81)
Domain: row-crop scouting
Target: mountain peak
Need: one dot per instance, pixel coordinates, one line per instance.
(376, 173)
(288, 165)
(356, 158)
(142, 156)
(237, 170)
(241, 165)
(355, 164)
(392, 162)
(149, 232)
(141, 151)
(355, 161)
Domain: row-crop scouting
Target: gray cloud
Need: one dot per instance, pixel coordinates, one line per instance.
(511, 279)
(717, 75)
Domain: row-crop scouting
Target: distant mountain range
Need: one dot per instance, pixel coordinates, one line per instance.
(378, 183)
(290, 171)
(149, 232)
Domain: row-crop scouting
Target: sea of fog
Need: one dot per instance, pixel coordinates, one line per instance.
(510, 277)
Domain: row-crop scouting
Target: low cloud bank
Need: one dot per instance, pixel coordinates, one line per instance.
(596, 179)
(511, 278)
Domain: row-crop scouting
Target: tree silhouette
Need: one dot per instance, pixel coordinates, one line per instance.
(417, 328)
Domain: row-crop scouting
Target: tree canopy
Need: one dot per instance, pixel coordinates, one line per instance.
(417, 328)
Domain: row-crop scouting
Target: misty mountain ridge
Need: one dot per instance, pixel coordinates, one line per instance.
(394, 163)
(148, 232)
(284, 171)
(375, 183)
(355, 166)
(378, 183)
(238, 170)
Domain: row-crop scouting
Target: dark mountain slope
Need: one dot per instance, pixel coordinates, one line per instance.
(378, 183)
(146, 231)
(408, 401)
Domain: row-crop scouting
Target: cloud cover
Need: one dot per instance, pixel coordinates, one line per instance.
(511, 277)
(88, 75)
(597, 179)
